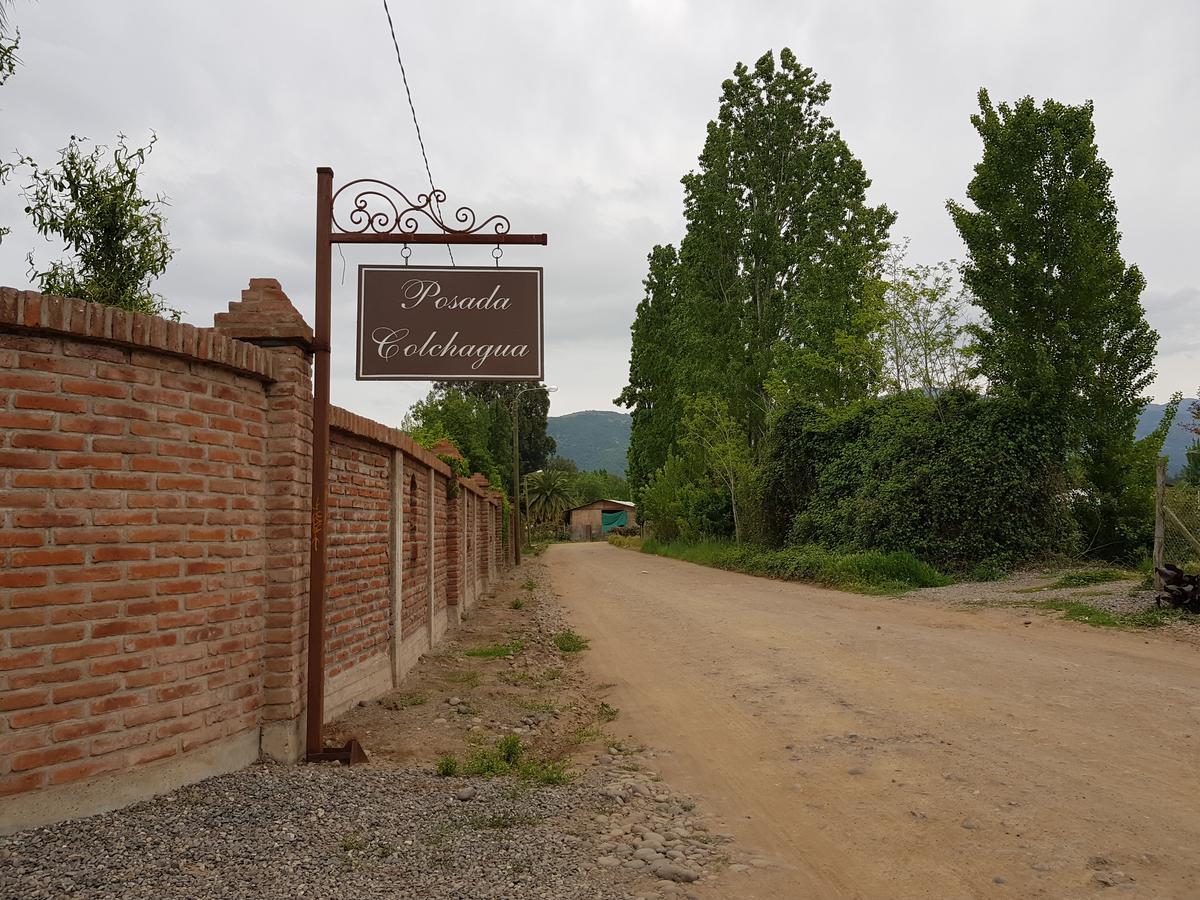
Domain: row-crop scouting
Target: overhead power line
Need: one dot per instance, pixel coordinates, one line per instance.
(416, 124)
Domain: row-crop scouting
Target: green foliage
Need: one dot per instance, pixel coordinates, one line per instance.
(533, 408)
(955, 479)
(655, 367)
(923, 332)
(1076, 611)
(8, 65)
(714, 439)
(518, 603)
(681, 504)
(1191, 470)
(773, 292)
(1085, 577)
(495, 651)
(1116, 513)
(548, 494)
(868, 571)
(509, 757)
(481, 430)
(116, 237)
(599, 485)
(447, 766)
(626, 542)
(1063, 325)
(570, 642)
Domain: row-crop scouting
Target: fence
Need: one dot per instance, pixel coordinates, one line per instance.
(1176, 524)
(155, 516)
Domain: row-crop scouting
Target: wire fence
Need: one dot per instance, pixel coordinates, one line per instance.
(1181, 526)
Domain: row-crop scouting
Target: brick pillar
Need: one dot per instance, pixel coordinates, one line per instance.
(264, 316)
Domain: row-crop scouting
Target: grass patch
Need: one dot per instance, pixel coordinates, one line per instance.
(1087, 577)
(447, 766)
(585, 734)
(540, 706)
(508, 757)
(607, 713)
(495, 651)
(530, 585)
(1076, 611)
(552, 674)
(868, 571)
(627, 542)
(470, 678)
(570, 642)
(517, 604)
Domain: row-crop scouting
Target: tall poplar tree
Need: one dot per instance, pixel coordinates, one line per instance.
(775, 291)
(652, 392)
(1063, 325)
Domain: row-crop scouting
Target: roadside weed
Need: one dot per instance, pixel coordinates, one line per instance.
(570, 642)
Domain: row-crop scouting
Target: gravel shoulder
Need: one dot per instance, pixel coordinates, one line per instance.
(393, 828)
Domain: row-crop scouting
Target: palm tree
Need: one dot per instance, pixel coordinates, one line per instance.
(548, 494)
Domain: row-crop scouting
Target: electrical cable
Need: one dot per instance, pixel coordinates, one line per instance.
(416, 124)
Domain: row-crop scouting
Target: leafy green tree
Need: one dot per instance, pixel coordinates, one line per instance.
(536, 445)
(116, 237)
(599, 485)
(778, 265)
(923, 333)
(471, 424)
(718, 443)
(1063, 322)
(548, 494)
(680, 504)
(774, 292)
(1062, 316)
(654, 369)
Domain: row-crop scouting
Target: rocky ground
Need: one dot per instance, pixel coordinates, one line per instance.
(1041, 590)
(394, 828)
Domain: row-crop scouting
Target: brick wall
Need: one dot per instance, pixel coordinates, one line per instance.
(155, 503)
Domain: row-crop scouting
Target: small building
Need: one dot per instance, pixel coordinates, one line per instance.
(593, 521)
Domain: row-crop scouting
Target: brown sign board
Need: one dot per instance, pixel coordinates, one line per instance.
(438, 323)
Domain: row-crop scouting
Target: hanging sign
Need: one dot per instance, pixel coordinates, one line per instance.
(449, 322)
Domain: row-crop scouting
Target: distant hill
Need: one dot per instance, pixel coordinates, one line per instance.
(592, 439)
(1178, 440)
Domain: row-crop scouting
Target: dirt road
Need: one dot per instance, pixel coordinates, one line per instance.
(889, 748)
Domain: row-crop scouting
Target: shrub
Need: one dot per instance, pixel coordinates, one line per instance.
(569, 642)
(955, 479)
(447, 766)
(869, 570)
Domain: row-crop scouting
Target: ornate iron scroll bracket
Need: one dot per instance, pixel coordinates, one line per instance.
(369, 206)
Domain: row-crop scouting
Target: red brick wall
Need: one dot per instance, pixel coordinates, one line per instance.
(155, 526)
(359, 605)
(131, 540)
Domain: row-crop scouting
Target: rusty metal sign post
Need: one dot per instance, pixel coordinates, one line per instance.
(380, 213)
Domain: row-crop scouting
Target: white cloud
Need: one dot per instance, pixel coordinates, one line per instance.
(578, 119)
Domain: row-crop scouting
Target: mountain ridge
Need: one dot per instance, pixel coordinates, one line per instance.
(592, 438)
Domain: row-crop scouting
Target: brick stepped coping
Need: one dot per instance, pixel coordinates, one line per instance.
(30, 311)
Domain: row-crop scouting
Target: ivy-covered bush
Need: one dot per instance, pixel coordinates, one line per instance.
(956, 479)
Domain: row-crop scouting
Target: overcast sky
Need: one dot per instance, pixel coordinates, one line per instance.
(578, 119)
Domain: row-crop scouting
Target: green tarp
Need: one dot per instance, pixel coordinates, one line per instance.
(611, 520)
